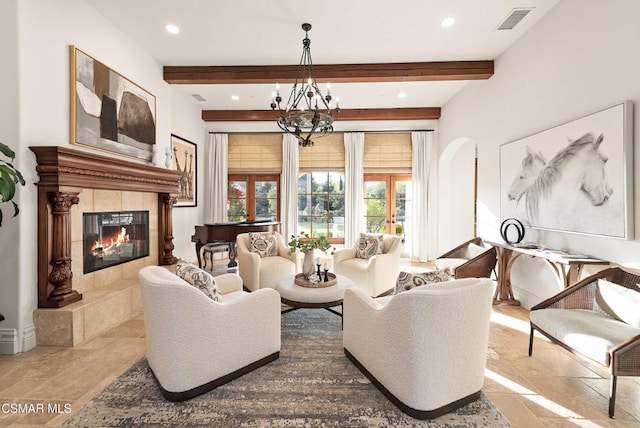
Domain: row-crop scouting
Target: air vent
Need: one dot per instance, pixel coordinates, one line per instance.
(198, 97)
(514, 18)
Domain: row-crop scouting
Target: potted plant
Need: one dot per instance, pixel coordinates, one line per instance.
(306, 244)
(9, 177)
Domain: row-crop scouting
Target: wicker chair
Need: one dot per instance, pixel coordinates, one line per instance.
(615, 344)
(468, 262)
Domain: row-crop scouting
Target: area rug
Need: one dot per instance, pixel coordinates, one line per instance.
(311, 384)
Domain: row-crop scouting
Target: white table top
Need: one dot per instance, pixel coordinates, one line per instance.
(289, 290)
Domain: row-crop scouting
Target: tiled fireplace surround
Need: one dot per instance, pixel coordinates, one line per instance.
(104, 298)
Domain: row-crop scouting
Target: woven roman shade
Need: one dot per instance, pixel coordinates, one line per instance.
(326, 155)
(255, 153)
(387, 152)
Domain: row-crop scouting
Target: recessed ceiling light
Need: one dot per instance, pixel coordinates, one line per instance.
(235, 97)
(448, 22)
(402, 95)
(171, 28)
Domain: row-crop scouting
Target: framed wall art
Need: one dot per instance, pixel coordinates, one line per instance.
(108, 111)
(184, 161)
(576, 177)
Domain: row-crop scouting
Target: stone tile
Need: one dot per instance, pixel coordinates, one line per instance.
(105, 277)
(511, 406)
(53, 327)
(130, 270)
(133, 201)
(107, 200)
(111, 311)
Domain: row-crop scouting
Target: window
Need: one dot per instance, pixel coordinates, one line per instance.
(321, 205)
(388, 203)
(253, 197)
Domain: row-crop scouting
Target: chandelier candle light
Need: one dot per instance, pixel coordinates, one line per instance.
(307, 112)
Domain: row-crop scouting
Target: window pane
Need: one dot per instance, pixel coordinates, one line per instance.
(321, 204)
(320, 182)
(264, 188)
(336, 183)
(303, 183)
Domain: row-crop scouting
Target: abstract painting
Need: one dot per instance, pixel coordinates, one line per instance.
(185, 162)
(575, 177)
(108, 111)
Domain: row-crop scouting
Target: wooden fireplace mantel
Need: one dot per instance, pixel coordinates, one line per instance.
(64, 172)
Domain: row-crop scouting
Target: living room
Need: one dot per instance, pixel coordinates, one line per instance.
(576, 60)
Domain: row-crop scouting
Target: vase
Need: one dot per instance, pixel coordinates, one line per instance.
(308, 266)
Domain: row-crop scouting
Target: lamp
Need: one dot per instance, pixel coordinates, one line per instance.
(307, 112)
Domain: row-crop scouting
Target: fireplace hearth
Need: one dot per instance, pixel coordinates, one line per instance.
(112, 238)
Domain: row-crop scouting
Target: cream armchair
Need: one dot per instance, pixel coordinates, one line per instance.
(263, 272)
(424, 349)
(195, 344)
(375, 275)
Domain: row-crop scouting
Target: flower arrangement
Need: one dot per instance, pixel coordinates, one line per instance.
(305, 243)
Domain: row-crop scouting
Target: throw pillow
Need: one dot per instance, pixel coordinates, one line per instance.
(619, 302)
(369, 245)
(474, 251)
(263, 243)
(408, 280)
(199, 279)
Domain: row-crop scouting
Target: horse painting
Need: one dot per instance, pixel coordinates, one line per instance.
(530, 169)
(563, 193)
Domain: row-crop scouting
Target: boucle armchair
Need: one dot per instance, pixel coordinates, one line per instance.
(375, 275)
(424, 349)
(470, 259)
(195, 344)
(263, 272)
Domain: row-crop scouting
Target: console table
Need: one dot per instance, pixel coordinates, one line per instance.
(567, 265)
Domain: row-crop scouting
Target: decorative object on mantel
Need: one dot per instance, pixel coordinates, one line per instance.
(108, 111)
(306, 245)
(508, 224)
(9, 177)
(185, 162)
(307, 110)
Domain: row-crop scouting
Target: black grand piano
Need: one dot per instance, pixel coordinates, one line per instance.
(227, 232)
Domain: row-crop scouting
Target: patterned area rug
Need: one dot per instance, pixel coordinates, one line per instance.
(311, 384)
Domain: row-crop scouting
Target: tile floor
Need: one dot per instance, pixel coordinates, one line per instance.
(553, 388)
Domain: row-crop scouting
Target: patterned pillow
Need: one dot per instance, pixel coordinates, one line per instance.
(199, 279)
(263, 243)
(408, 280)
(368, 246)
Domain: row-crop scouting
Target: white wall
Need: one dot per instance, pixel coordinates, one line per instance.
(35, 111)
(186, 123)
(581, 57)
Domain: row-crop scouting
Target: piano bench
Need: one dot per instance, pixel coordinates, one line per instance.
(210, 249)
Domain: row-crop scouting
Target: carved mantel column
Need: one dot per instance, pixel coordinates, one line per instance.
(61, 273)
(165, 217)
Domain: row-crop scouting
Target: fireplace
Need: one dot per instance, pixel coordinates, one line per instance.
(112, 238)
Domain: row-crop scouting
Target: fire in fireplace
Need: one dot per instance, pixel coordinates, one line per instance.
(112, 238)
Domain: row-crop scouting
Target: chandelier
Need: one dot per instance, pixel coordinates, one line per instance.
(307, 112)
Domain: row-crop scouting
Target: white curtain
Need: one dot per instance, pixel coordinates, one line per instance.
(424, 180)
(353, 187)
(217, 162)
(289, 187)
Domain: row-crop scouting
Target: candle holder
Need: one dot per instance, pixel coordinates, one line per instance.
(319, 274)
(326, 275)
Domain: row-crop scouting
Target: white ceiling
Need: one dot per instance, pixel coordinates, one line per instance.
(265, 32)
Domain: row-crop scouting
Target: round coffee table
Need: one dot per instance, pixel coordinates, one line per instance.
(298, 296)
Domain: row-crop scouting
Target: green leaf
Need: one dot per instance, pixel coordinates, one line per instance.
(15, 207)
(7, 151)
(7, 184)
(0, 217)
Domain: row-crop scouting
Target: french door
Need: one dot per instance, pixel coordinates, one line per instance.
(253, 197)
(388, 203)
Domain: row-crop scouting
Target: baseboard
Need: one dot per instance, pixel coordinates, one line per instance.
(28, 338)
(9, 341)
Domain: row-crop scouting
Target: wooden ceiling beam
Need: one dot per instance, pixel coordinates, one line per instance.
(334, 73)
(421, 113)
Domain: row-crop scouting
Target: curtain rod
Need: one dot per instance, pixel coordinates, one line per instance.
(335, 132)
